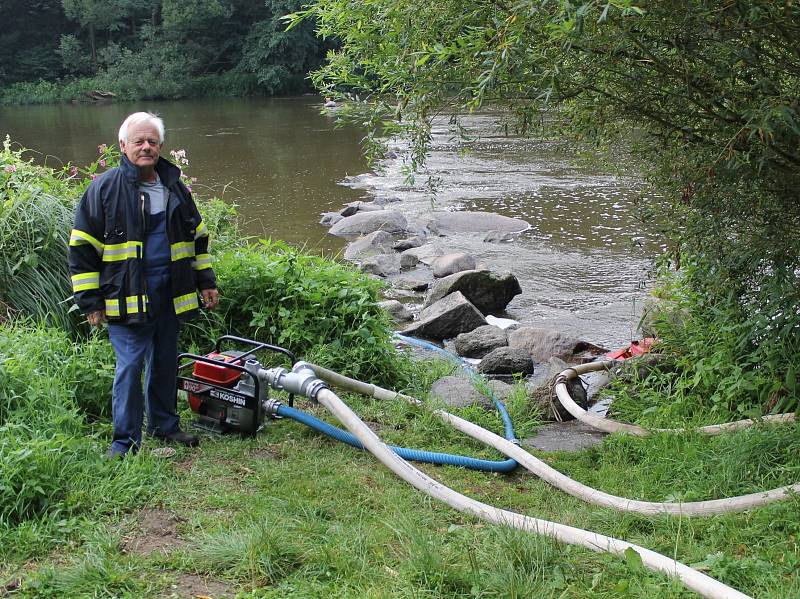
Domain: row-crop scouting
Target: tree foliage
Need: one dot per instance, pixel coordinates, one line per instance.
(158, 48)
(708, 89)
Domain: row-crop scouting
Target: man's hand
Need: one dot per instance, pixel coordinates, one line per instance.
(97, 318)
(210, 298)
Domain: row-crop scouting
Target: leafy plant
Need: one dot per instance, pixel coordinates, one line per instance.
(317, 308)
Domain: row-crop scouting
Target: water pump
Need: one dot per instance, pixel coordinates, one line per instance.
(225, 389)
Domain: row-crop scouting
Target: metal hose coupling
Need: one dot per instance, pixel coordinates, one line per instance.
(301, 380)
(271, 406)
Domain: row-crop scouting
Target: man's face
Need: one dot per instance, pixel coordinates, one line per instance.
(142, 147)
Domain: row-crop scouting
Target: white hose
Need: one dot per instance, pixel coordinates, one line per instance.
(694, 580)
(562, 482)
(612, 426)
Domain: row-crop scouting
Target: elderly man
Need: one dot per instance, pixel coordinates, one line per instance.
(138, 256)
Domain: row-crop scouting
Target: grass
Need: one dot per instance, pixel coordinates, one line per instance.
(293, 514)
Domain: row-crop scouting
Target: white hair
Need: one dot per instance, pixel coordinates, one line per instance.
(141, 117)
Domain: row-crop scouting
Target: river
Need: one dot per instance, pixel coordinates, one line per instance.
(582, 264)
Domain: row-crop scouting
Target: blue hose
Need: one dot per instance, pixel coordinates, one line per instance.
(509, 428)
(415, 455)
(418, 455)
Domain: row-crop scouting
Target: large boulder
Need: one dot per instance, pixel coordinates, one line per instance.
(476, 222)
(450, 264)
(481, 341)
(446, 318)
(362, 223)
(377, 242)
(489, 292)
(506, 360)
(543, 344)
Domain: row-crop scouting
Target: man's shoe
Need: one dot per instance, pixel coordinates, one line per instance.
(113, 454)
(180, 437)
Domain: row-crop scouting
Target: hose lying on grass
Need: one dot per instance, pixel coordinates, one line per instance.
(413, 455)
(612, 426)
(559, 480)
(694, 580)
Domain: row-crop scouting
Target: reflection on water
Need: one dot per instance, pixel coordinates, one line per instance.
(582, 263)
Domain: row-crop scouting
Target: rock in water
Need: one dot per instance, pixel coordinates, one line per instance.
(452, 263)
(362, 223)
(487, 291)
(446, 318)
(478, 343)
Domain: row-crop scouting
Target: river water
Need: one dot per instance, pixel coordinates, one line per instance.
(582, 264)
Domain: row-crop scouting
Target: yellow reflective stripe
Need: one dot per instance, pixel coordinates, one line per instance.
(78, 237)
(85, 280)
(184, 303)
(182, 249)
(201, 262)
(112, 307)
(121, 251)
(132, 304)
(201, 231)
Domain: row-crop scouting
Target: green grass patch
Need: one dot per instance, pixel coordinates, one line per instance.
(294, 514)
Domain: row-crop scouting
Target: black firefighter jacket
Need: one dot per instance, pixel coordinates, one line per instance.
(107, 244)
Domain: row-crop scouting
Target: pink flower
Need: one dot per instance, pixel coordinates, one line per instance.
(11, 168)
(93, 176)
(102, 163)
(179, 156)
(189, 187)
(101, 148)
(73, 171)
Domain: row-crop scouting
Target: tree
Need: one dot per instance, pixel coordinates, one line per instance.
(29, 39)
(282, 59)
(710, 87)
(94, 16)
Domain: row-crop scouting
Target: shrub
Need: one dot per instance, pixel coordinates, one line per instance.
(728, 358)
(317, 308)
(49, 463)
(36, 467)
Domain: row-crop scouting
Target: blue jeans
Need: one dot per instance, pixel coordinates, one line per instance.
(153, 347)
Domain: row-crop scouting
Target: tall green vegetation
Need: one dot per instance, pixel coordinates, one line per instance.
(56, 374)
(707, 89)
(321, 310)
(57, 50)
(36, 208)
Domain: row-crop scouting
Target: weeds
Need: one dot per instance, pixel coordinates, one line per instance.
(723, 360)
